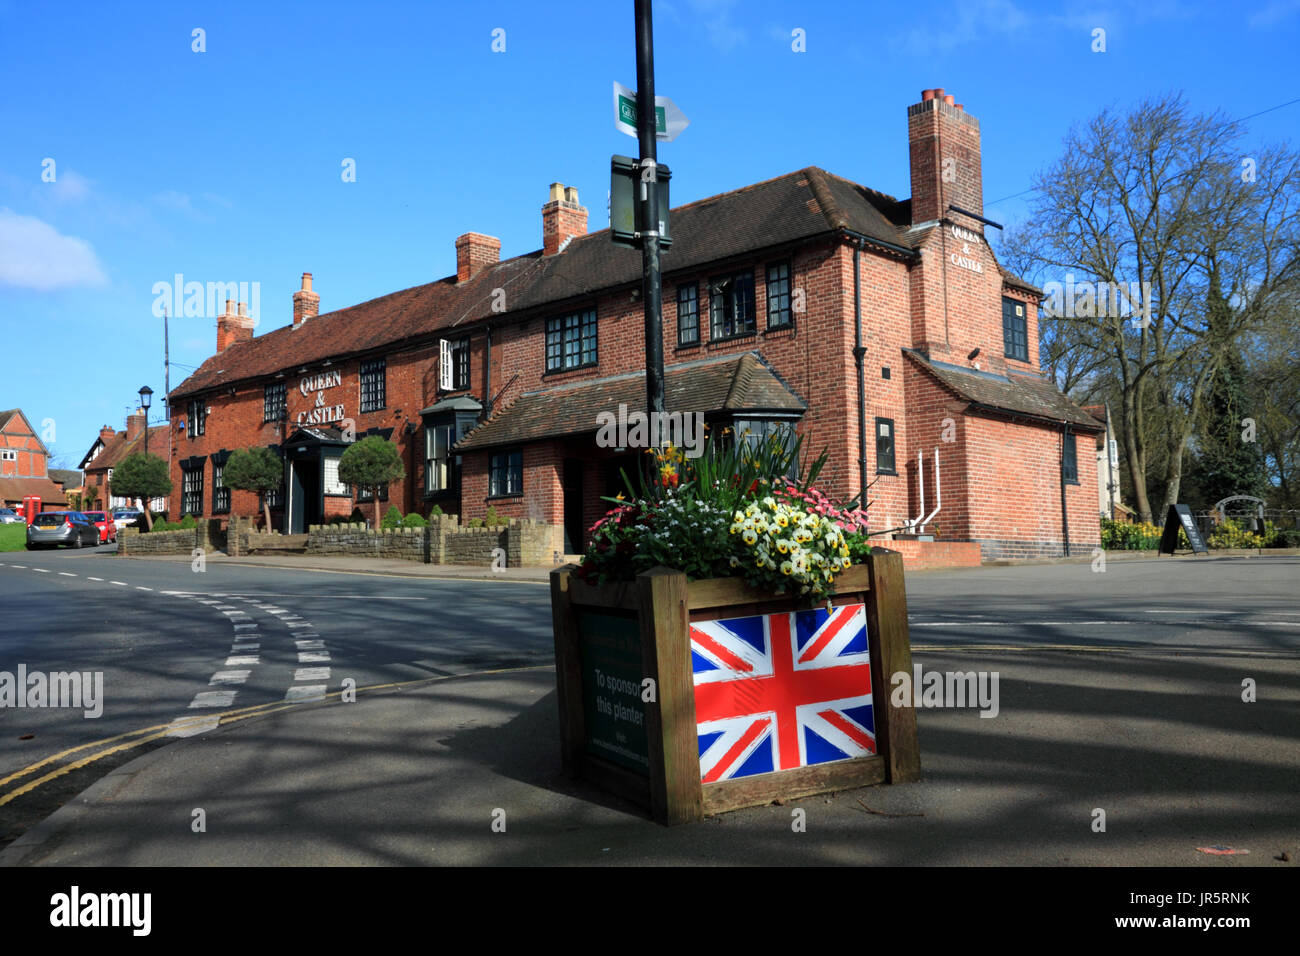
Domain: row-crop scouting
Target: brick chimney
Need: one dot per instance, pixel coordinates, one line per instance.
(134, 425)
(234, 326)
(306, 303)
(562, 218)
(106, 434)
(475, 252)
(944, 146)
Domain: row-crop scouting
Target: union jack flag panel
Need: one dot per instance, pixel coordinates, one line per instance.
(780, 691)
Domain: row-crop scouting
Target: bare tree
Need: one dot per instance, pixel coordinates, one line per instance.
(1143, 214)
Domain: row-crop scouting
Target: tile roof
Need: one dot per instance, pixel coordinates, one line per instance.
(15, 489)
(5, 416)
(67, 477)
(731, 383)
(117, 447)
(1016, 392)
(797, 206)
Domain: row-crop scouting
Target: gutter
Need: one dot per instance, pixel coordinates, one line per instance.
(858, 353)
(1065, 516)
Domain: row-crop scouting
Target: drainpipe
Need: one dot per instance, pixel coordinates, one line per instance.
(487, 375)
(1065, 517)
(858, 353)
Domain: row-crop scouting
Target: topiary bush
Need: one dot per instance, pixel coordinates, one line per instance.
(492, 517)
(186, 523)
(413, 520)
(392, 518)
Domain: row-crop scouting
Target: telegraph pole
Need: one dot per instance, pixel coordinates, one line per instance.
(652, 291)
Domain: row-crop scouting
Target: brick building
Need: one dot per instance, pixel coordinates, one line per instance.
(883, 329)
(24, 461)
(107, 450)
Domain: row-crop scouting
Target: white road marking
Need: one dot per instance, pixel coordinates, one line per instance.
(310, 645)
(66, 574)
(214, 698)
(229, 677)
(141, 587)
(189, 726)
(244, 661)
(88, 578)
(244, 648)
(302, 624)
(235, 613)
(304, 694)
(119, 583)
(312, 673)
(41, 570)
(313, 657)
(243, 624)
(23, 566)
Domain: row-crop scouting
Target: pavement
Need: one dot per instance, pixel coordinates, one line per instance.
(464, 769)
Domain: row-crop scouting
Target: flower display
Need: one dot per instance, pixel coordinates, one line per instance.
(731, 512)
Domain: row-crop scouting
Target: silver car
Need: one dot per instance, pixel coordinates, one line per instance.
(9, 516)
(49, 529)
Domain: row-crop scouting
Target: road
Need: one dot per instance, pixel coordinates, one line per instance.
(1130, 650)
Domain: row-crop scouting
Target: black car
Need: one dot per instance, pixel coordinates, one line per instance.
(52, 528)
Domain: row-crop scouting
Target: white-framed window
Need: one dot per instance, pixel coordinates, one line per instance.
(437, 457)
(8, 455)
(330, 478)
(506, 474)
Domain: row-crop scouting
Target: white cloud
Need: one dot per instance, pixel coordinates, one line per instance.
(69, 186)
(35, 255)
(715, 17)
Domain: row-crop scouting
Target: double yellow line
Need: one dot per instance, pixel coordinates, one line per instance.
(137, 738)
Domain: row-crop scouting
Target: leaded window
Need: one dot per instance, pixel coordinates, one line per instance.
(688, 314)
(374, 392)
(731, 306)
(778, 295)
(571, 341)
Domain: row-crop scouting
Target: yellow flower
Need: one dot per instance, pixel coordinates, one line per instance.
(787, 568)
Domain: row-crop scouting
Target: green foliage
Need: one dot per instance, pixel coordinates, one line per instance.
(371, 464)
(435, 511)
(392, 518)
(475, 523)
(141, 476)
(253, 469)
(187, 522)
(414, 520)
(1232, 534)
(491, 518)
(1125, 536)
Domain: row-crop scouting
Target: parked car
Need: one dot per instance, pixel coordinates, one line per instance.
(9, 516)
(53, 528)
(106, 525)
(128, 518)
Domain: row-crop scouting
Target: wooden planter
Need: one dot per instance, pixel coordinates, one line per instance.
(735, 714)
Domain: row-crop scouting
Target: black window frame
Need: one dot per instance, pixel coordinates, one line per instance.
(460, 364)
(688, 304)
(506, 465)
(374, 385)
(275, 401)
(778, 296)
(572, 341)
(197, 418)
(886, 453)
(1015, 331)
(725, 301)
(192, 490)
(220, 493)
(1069, 459)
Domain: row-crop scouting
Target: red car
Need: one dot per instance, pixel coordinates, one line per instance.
(102, 521)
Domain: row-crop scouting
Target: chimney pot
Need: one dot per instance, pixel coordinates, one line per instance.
(557, 192)
(949, 99)
(938, 92)
(927, 95)
(243, 310)
(306, 282)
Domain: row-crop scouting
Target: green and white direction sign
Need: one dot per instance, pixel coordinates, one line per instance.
(669, 120)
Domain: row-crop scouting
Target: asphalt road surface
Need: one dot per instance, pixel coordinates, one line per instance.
(175, 644)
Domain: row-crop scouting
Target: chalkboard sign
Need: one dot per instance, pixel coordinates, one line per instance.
(1180, 516)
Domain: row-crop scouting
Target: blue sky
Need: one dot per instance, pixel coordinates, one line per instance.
(225, 165)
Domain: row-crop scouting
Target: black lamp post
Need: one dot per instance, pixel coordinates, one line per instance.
(146, 396)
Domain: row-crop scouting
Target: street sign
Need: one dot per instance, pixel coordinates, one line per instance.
(624, 202)
(1181, 516)
(669, 120)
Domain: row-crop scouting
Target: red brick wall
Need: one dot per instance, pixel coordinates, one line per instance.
(30, 460)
